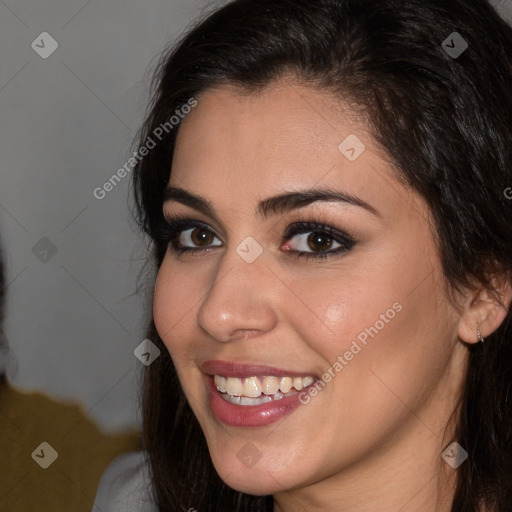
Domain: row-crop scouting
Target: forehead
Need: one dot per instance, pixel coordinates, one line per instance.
(283, 121)
(236, 146)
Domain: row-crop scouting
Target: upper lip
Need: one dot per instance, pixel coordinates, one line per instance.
(241, 370)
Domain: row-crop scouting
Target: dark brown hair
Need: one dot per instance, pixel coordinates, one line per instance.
(446, 124)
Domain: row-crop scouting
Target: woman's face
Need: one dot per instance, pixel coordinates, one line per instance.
(259, 304)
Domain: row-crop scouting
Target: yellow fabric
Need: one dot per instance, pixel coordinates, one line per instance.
(69, 484)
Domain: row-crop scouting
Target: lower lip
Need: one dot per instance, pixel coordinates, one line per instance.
(249, 415)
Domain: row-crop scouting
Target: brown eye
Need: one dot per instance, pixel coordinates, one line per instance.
(312, 241)
(319, 241)
(201, 236)
(196, 237)
(316, 240)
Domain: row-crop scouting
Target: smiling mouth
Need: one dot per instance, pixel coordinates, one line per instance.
(257, 390)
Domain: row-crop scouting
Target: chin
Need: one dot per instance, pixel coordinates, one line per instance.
(258, 477)
(254, 481)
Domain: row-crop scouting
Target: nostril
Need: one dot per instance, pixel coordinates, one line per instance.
(243, 337)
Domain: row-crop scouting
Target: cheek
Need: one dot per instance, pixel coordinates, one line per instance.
(376, 319)
(345, 306)
(173, 301)
(163, 303)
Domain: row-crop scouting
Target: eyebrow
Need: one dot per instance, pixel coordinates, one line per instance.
(274, 205)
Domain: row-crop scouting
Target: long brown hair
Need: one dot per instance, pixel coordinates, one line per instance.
(446, 123)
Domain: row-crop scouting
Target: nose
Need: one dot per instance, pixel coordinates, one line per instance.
(240, 301)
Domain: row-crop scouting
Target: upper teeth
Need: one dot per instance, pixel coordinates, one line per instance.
(253, 387)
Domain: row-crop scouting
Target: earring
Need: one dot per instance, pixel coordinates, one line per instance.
(479, 336)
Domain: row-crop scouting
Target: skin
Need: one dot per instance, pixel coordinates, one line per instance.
(372, 438)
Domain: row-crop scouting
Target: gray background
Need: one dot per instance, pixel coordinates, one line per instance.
(67, 123)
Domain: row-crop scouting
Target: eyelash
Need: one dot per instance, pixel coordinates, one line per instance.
(172, 227)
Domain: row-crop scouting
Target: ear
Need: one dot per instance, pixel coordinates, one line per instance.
(485, 309)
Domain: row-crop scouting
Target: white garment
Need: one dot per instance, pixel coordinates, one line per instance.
(125, 486)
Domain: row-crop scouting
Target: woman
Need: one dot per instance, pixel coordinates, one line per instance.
(333, 248)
